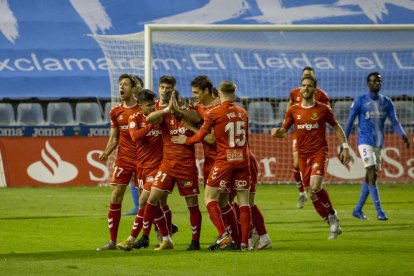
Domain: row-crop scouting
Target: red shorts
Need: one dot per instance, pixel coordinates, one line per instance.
(312, 165)
(229, 179)
(207, 167)
(123, 172)
(186, 187)
(145, 178)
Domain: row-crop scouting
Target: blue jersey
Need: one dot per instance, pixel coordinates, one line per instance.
(372, 110)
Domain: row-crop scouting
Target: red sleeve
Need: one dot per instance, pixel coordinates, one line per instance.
(112, 117)
(291, 97)
(199, 136)
(135, 133)
(288, 121)
(330, 118)
(323, 98)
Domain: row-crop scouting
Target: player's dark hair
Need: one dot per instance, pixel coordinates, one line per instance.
(310, 77)
(168, 80)
(130, 77)
(202, 82)
(139, 80)
(215, 92)
(146, 95)
(308, 68)
(373, 74)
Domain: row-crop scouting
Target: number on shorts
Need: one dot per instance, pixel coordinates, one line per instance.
(163, 175)
(117, 171)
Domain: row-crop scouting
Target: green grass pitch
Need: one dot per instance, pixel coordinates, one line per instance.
(55, 231)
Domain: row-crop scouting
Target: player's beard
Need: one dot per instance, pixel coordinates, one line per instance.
(307, 95)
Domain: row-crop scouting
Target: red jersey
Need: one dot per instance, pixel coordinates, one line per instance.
(210, 151)
(119, 119)
(148, 141)
(296, 97)
(159, 106)
(230, 123)
(310, 127)
(176, 158)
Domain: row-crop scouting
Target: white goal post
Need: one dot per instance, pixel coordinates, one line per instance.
(266, 61)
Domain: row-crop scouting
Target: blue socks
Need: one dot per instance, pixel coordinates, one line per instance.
(134, 195)
(362, 197)
(373, 191)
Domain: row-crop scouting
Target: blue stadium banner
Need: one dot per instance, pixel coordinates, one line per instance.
(45, 50)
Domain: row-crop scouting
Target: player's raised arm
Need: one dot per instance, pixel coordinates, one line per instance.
(155, 117)
(188, 115)
(210, 138)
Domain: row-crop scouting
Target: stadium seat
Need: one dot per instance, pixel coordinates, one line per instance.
(405, 111)
(405, 114)
(107, 108)
(341, 111)
(7, 117)
(60, 114)
(261, 117)
(281, 111)
(30, 114)
(89, 114)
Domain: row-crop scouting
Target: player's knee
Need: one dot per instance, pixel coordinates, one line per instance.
(191, 201)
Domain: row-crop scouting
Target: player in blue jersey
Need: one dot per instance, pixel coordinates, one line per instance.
(372, 109)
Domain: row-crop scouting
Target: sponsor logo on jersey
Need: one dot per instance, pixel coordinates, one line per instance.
(308, 126)
(123, 127)
(154, 132)
(132, 124)
(314, 116)
(52, 169)
(180, 130)
(375, 114)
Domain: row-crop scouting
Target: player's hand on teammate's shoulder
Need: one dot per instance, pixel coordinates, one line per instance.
(180, 139)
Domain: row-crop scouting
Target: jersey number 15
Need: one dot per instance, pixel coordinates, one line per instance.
(236, 133)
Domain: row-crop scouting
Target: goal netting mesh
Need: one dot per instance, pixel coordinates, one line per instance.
(266, 64)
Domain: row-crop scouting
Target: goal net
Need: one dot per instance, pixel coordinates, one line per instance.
(266, 63)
